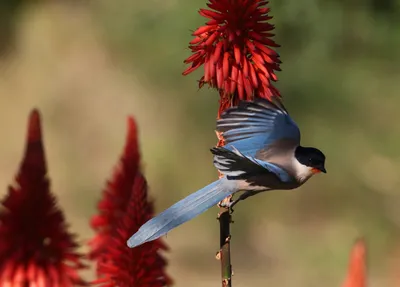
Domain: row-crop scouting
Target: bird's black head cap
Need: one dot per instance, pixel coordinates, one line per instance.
(311, 157)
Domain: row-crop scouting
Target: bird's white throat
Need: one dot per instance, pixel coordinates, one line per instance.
(302, 171)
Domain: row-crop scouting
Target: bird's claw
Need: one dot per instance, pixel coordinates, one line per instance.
(228, 206)
(232, 204)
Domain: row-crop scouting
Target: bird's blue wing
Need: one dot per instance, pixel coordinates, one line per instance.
(255, 125)
(235, 165)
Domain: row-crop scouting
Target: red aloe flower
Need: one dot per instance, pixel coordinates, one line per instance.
(124, 208)
(116, 194)
(356, 276)
(35, 247)
(234, 47)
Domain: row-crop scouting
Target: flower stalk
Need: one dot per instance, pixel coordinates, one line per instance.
(224, 254)
(236, 50)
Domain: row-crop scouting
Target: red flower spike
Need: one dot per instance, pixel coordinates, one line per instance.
(124, 208)
(117, 193)
(142, 266)
(235, 49)
(356, 276)
(35, 246)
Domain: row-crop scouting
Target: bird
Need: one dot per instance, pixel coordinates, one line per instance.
(262, 152)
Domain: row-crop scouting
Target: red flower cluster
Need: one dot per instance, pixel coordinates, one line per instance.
(123, 209)
(37, 251)
(234, 47)
(116, 194)
(35, 247)
(356, 276)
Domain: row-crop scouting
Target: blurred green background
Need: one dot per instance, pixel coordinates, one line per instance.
(88, 64)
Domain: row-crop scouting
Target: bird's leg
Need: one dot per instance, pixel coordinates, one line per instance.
(243, 196)
(225, 203)
(234, 202)
(228, 203)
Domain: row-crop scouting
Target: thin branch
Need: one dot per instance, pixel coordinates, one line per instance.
(224, 254)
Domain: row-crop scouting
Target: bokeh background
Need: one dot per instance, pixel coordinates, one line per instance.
(88, 64)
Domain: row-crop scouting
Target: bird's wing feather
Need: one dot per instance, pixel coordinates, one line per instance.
(236, 165)
(255, 125)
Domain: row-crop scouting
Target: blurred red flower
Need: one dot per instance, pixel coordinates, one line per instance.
(116, 196)
(123, 209)
(35, 247)
(356, 276)
(235, 48)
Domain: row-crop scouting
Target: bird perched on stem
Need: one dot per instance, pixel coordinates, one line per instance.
(262, 152)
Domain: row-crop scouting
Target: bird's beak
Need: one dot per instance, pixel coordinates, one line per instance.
(318, 170)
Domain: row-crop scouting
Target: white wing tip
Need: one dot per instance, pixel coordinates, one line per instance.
(132, 242)
(137, 239)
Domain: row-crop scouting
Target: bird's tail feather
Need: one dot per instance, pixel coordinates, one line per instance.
(183, 211)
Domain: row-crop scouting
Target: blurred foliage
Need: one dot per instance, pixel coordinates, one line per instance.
(8, 10)
(340, 81)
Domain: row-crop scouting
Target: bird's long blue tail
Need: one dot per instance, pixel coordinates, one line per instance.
(183, 211)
